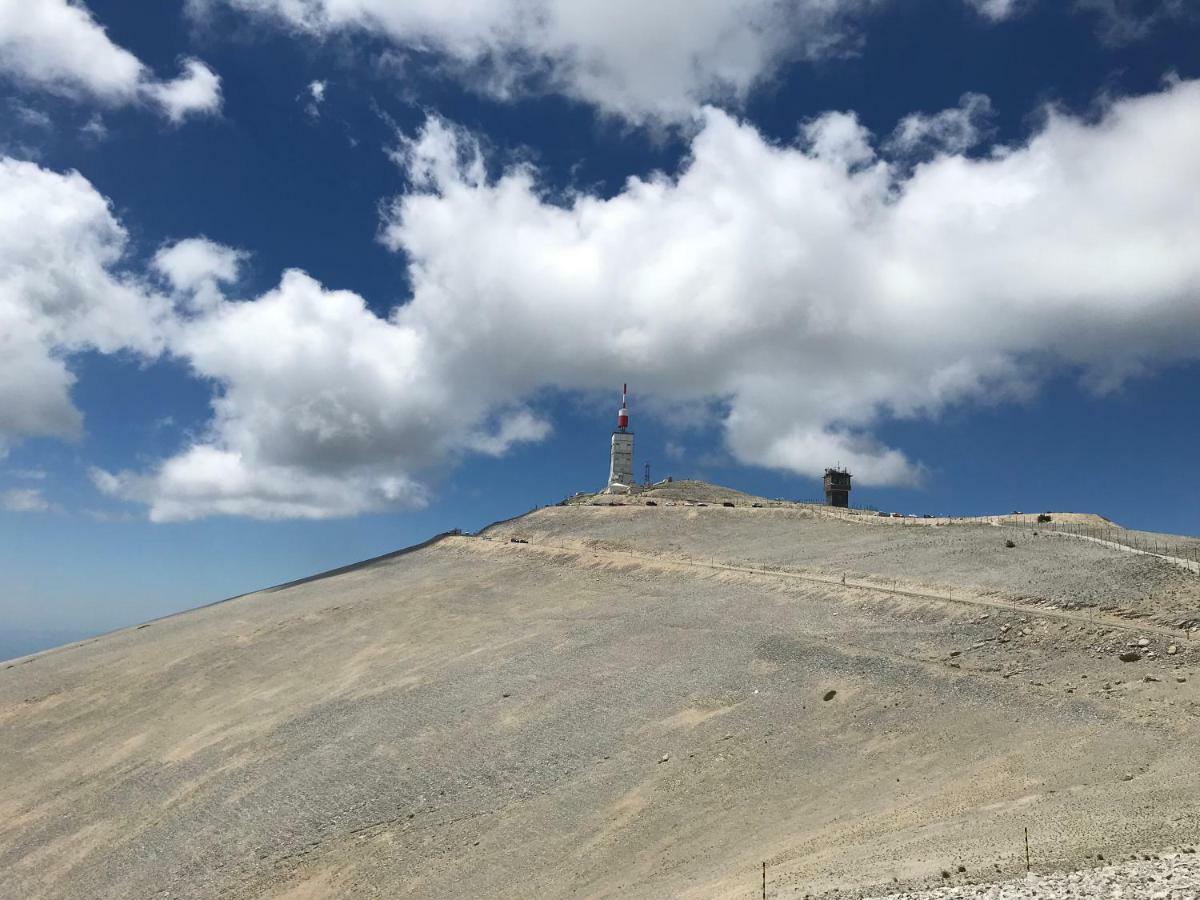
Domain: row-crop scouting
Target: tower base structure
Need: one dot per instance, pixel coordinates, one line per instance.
(620, 468)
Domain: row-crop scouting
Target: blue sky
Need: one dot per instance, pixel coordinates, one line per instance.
(949, 243)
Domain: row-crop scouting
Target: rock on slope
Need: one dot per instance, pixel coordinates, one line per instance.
(631, 704)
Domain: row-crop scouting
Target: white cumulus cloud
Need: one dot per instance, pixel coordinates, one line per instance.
(324, 409)
(645, 62)
(196, 92)
(207, 480)
(952, 130)
(195, 262)
(58, 45)
(197, 268)
(633, 59)
(60, 293)
(803, 293)
(816, 288)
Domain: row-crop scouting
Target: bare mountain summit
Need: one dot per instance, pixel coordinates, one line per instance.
(607, 699)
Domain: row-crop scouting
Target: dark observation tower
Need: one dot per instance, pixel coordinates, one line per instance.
(837, 487)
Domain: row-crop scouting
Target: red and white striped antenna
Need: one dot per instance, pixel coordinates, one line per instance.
(623, 412)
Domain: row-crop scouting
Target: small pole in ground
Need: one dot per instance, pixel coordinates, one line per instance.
(1026, 848)
(764, 879)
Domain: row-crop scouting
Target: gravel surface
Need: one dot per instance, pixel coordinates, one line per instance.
(482, 718)
(1172, 877)
(1040, 569)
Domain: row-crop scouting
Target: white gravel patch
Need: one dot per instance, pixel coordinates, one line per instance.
(1171, 877)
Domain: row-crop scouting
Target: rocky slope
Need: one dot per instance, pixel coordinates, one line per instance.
(620, 701)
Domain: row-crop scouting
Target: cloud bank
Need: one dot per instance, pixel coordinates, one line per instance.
(646, 63)
(640, 61)
(803, 293)
(57, 45)
(814, 288)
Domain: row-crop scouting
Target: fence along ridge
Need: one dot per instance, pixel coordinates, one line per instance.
(1156, 544)
(1175, 549)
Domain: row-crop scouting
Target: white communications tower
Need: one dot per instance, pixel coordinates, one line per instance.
(620, 469)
